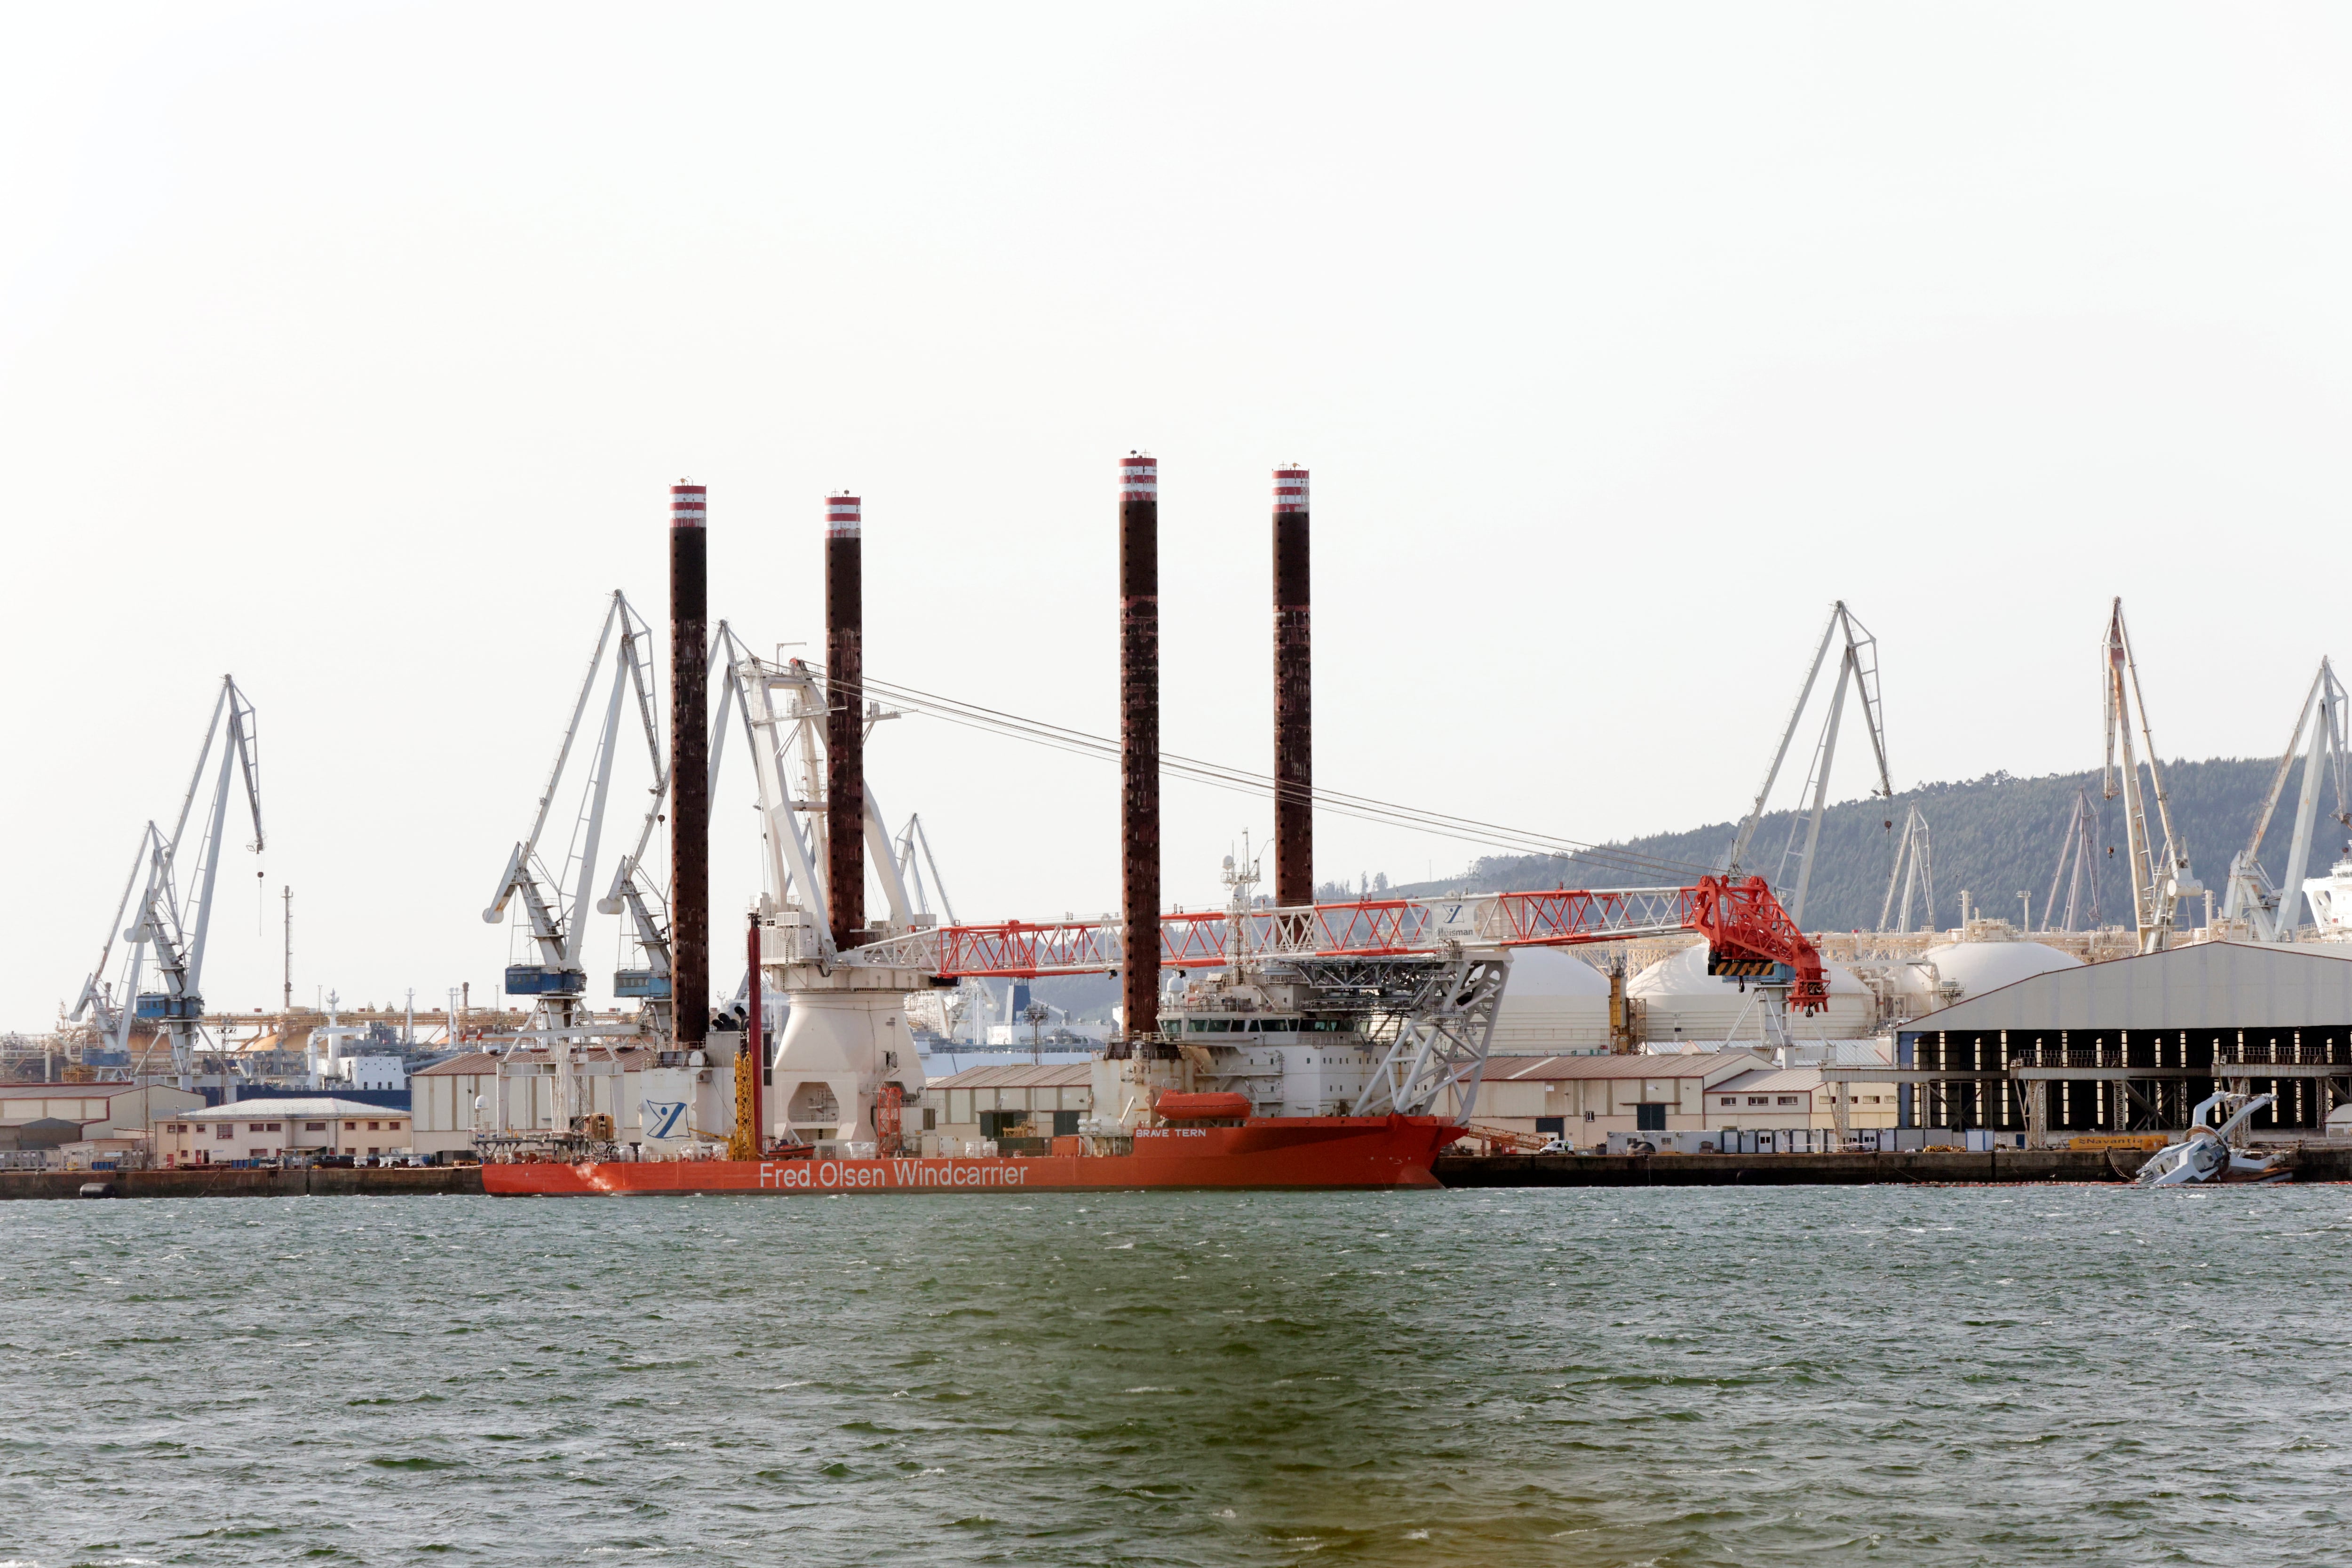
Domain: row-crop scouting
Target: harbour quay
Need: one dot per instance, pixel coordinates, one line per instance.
(1928, 1167)
(230, 1182)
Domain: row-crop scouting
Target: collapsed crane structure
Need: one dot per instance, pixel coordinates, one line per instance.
(170, 919)
(1320, 1043)
(1362, 1008)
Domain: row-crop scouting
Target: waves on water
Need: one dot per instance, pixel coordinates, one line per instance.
(1928, 1378)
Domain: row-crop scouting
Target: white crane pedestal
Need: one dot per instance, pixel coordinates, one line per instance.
(846, 1038)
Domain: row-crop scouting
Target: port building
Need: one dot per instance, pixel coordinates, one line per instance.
(100, 1109)
(277, 1129)
(2133, 1044)
(1799, 1097)
(1583, 1099)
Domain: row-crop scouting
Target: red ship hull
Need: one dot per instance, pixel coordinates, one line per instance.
(1336, 1152)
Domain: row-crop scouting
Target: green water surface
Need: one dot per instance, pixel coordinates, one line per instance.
(1919, 1376)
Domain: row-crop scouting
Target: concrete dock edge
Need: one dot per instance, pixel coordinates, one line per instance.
(203, 1183)
(1998, 1165)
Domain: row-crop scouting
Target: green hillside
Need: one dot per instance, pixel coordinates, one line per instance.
(1994, 836)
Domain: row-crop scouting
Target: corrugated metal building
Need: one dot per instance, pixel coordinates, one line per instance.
(103, 1110)
(2133, 1044)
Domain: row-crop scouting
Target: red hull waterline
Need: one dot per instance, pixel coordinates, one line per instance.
(1336, 1152)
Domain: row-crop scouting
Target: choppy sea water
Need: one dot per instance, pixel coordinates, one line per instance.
(1912, 1375)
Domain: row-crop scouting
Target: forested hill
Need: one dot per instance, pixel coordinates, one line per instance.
(1994, 836)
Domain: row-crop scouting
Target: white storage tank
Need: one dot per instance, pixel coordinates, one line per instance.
(1556, 1004)
(1977, 967)
(1684, 1004)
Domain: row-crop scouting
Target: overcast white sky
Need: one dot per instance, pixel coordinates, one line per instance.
(351, 348)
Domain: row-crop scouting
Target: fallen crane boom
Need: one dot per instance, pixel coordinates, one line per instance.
(1749, 934)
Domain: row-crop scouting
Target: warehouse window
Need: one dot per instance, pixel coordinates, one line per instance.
(225, 1130)
(314, 1127)
(1730, 1099)
(1791, 1100)
(351, 1126)
(373, 1127)
(1759, 1099)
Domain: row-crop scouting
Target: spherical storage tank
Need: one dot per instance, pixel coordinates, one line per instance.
(1977, 967)
(1556, 1003)
(1684, 1002)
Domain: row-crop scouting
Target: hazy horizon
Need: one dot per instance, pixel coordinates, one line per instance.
(352, 349)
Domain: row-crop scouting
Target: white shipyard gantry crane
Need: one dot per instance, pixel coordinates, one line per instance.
(558, 919)
(784, 706)
(555, 898)
(2160, 879)
(1857, 663)
(170, 918)
(1914, 877)
(633, 890)
(2078, 865)
(2269, 909)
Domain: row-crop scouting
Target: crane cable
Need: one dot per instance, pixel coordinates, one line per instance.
(1220, 775)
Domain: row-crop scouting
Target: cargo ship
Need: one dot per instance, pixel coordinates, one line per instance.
(1258, 1153)
(1274, 1043)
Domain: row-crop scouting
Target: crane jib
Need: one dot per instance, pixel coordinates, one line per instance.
(1749, 934)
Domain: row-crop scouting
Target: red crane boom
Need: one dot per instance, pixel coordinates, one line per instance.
(1749, 934)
